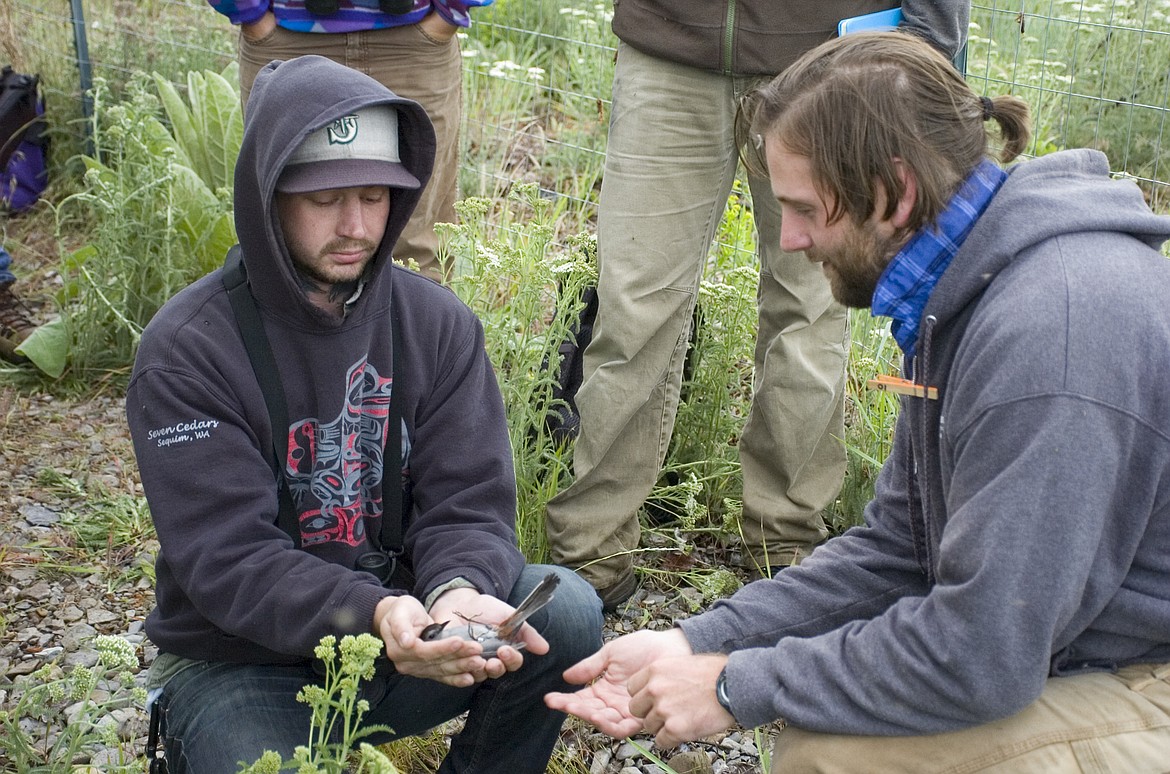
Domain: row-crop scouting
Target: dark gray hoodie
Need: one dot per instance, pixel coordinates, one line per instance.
(1021, 525)
(231, 586)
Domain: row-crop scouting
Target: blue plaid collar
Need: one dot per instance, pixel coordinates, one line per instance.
(906, 284)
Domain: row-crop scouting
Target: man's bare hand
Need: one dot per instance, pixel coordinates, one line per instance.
(459, 663)
(259, 28)
(675, 698)
(605, 699)
(468, 605)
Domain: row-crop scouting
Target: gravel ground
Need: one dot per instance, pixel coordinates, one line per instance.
(62, 456)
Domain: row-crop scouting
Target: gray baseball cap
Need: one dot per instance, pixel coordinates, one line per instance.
(358, 149)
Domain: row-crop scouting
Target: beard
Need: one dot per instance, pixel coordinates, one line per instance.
(855, 266)
(321, 270)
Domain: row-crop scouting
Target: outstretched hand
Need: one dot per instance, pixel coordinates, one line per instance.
(605, 699)
(675, 698)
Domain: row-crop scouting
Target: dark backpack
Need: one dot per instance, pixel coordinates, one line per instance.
(24, 140)
(563, 421)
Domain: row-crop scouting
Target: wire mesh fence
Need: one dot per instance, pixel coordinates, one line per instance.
(538, 75)
(1097, 74)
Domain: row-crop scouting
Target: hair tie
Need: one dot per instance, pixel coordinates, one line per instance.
(988, 107)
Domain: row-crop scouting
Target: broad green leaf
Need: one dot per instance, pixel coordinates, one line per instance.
(202, 218)
(105, 176)
(185, 133)
(159, 140)
(210, 128)
(223, 128)
(78, 257)
(197, 148)
(48, 348)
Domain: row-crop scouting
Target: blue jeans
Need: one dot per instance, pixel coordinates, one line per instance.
(6, 276)
(220, 714)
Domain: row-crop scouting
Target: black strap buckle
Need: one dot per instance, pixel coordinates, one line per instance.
(322, 7)
(330, 7)
(155, 750)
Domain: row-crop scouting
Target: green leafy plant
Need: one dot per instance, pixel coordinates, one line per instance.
(701, 474)
(209, 129)
(54, 717)
(337, 713)
(542, 72)
(870, 415)
(163, 223)
(717, 395)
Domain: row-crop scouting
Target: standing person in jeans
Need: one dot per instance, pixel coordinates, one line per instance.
(269, 508)
(671, 159)
(407, 45)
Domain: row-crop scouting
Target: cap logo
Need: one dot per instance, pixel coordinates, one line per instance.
(344, 130)
(357, 149)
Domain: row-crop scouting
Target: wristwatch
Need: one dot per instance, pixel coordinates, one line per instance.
(721, 692)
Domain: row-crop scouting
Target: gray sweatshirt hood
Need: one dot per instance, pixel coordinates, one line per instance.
(1062, 193)
(288, 101)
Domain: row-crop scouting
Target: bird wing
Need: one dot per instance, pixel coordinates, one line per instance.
(540, 596)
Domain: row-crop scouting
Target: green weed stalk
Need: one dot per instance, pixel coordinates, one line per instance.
(161, 225)
(870, 415)
(336, 726)
(56, 716)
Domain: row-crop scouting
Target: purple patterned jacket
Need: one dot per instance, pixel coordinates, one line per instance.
(351, 16)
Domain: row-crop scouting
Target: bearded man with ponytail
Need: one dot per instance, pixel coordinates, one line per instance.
(1006, 604)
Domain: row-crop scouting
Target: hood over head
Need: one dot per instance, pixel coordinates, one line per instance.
(1061, 193)
(312, 124)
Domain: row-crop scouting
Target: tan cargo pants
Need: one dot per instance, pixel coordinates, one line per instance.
(1095, 723)
(670, 164)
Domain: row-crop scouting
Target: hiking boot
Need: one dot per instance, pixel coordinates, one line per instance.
(15, 325)
(613, 596)
(757, 570)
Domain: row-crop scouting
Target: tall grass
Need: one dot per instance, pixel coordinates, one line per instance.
(1095, 74)
(869, 416)
(701, 478)
(538, 78)
(526, 289)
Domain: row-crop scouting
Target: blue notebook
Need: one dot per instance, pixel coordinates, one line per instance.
(870, 22)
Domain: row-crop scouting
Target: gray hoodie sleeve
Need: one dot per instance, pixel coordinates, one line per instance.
(854, 577)
(942, 22)
(1023, 570)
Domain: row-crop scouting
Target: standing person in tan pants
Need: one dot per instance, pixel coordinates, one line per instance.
(671, 160)
(407, 45)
